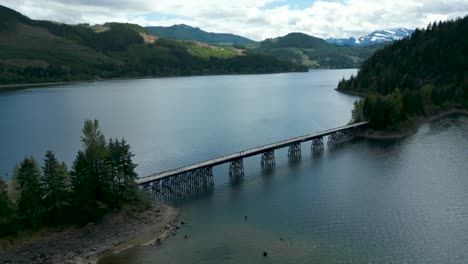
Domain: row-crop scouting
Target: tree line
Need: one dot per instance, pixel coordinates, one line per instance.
(102, 179)
(116, 50)
(420, 75)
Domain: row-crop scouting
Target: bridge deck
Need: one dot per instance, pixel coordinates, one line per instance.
(245, 153)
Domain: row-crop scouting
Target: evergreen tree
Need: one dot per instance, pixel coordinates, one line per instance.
(357, 114)
(123, 172)
(82, 190)
(54, 182)
(91, 181)
(421, 75)
(8, 221)
(30, 193)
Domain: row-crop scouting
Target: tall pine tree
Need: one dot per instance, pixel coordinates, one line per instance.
(30, 193)
(56, 194)
(91, 181)
(123, 172)
(8, 219)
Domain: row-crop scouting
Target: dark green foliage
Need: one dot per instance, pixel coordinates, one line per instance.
(90, 175)
(116, 50)
(314, 52)
(357, 114)
(8, 218)
(30, 193)
(103, 175)
(421, 75)
(118, 38)
(384, 112)
(8, 17)
(184, 32)
(102, 179)
(55, 184)
(123, 172)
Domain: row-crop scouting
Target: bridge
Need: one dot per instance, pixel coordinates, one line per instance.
(182, 182)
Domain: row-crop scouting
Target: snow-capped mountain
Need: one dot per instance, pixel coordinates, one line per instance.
(375, 37)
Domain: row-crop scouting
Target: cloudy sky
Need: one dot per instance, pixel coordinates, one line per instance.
(255, 19)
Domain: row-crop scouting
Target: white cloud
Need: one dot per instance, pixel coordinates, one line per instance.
(253, 19)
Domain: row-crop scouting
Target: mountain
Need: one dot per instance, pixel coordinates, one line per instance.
(184, 32)
(314, 52)
(373, 38)
(33, 51)
(417, 76)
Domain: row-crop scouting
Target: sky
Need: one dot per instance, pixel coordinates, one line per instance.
(254, 19)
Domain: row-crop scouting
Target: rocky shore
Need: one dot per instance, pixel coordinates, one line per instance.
(115, 232)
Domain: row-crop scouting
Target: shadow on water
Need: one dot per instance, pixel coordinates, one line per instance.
(236, 181)
(202, 195)
(268, 175)
(294, 163)
(315, 155)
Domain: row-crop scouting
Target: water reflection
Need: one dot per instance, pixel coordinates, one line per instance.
(370, 201)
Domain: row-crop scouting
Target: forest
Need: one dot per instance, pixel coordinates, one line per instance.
(101, 180)
(314, 52)
(417, 76)
(112, 50)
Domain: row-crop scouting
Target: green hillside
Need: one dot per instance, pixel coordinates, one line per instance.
(184, 32)
(34, 51)
(422, 75)
(314, 52)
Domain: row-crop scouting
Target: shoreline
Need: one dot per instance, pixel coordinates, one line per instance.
(113, 233)
(26, 85)
(411, 129)
(350, 93)
(23, 86)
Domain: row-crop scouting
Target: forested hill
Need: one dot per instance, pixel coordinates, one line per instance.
(185, 32)
(33, 51)
(421, 75)
(314, 52)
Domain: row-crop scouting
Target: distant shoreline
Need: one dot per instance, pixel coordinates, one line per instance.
(32, 85)
(412, 128)
(21, 86)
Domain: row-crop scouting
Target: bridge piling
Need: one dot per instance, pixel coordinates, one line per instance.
(317, 145)
(180, 186)
(236, 170)
(268, 160)
(182, 182)
(294, 152)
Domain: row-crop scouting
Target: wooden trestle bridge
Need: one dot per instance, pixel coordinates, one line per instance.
(182, 182)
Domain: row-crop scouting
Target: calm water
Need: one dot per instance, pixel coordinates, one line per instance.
(171, 122)
(396, 201)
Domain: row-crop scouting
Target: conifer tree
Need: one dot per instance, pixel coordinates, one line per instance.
(8, 223)
(54, 182)
(122, 171)
(30, 193)
(91, 181)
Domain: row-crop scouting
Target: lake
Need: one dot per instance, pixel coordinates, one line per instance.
(171, 122)
(370, 201)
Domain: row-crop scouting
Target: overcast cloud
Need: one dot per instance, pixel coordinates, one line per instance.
(255, 19)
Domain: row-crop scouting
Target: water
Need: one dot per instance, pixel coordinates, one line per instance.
(393, 201)
(171, 122)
